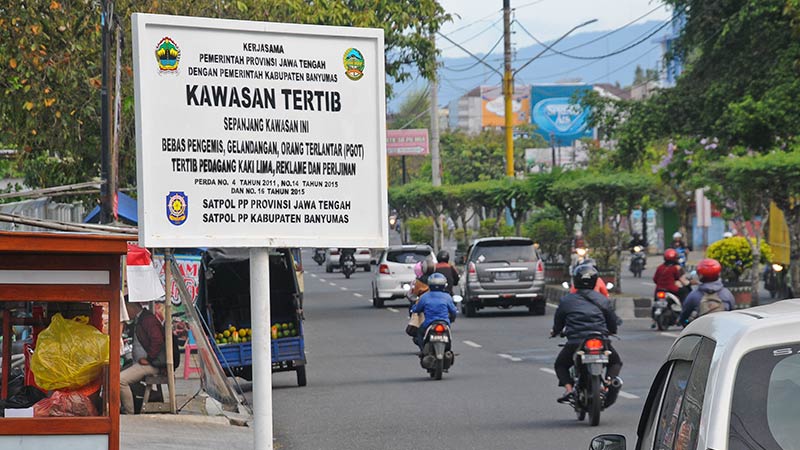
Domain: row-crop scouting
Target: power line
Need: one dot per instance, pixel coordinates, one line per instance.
(529, 4)
(491, 25)
(480, 61)
(607, 55)
(603, 36)
(631, 62)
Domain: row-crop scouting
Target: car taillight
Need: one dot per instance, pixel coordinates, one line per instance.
(334, 252)
(439, 328)
(661, 295)
(593, 345)
(540, 266)
(384, 269)
(364, 252)
(472, 268)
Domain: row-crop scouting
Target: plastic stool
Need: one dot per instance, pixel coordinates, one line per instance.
(187, 357)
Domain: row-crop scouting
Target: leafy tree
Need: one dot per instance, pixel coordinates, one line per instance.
(550, 234)
(774, 176)
(50, 68)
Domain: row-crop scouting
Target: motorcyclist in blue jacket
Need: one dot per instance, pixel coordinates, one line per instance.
(436, 304)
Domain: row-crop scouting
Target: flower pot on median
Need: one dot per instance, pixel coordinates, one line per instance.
(556, 273)
(742, 295)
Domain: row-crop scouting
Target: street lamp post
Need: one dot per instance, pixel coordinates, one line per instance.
(508, 87)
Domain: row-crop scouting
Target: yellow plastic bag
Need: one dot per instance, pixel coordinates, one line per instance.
(68, 355)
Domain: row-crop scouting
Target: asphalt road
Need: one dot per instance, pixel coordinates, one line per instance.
(366, 389)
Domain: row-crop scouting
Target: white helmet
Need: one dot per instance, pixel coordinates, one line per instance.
(677, 235)
(727, 234)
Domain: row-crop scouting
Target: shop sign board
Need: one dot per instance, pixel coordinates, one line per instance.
(256, 134)
(413, 142)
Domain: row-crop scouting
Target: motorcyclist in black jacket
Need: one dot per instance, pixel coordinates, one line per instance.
(578, 316)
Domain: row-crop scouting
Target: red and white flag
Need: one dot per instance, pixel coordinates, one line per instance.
(144, 285)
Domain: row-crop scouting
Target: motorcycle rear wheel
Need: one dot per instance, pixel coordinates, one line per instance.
(662, 323)
(595, 401)
(437, 371)
(581, 415)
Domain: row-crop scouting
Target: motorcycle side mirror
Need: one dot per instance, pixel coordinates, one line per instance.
(565, 285)
(608, 442)
(609, 286)
(457, 299)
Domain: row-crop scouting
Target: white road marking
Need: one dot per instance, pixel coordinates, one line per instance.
(672, 335)
(392, 310)
(357, 294)
(622, 394)
(313, 275)
(343, 288)
(509, 357)
(551, 305)
(473, 344)
(647, 283)
(332, 284)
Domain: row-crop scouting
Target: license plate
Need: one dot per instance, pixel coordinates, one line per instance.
(661, 303)
(594, 359)
(439, 338)
(506, 276)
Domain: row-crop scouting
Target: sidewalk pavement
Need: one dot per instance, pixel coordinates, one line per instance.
(198, 424)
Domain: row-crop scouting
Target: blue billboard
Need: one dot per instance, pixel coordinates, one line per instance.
(556, 116)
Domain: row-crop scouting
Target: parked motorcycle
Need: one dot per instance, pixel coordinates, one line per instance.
(591, 393)
(666, 310)
(348, 264)
(638, 261)
(319, 256)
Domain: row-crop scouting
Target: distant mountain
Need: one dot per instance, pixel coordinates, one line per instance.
(459, 75)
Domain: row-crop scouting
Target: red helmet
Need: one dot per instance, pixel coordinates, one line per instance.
(709, 269)
(670, 255)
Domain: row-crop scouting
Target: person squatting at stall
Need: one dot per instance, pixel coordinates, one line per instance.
(148, 346)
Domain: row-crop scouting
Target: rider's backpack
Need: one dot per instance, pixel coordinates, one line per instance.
(710, 303)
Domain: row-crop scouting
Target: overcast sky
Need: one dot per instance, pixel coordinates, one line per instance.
(545, 19)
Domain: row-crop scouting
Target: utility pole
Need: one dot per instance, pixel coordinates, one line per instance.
(508, 88)
(106, 206)
(435, 160)
(438, 241)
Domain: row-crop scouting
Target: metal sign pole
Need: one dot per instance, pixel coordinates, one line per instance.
(262, 356)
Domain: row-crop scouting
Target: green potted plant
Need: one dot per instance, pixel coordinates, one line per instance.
(552, 237)
(736, 258)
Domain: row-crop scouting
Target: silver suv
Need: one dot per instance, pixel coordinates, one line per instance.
(503, 272)
(731, 382)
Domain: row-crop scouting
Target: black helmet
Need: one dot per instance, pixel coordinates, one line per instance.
(584, 276)
(443, 256)
(437, 282)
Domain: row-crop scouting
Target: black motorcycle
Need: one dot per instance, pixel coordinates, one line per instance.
(666, 310)
(775, 281)
(591, 393)
(348, 264)
(638, 261)
(319, 256)
(437, 355)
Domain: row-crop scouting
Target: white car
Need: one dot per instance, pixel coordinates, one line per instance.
(396, 268)
(731, 382)
(363, 259)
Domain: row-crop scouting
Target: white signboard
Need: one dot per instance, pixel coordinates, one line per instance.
(255, 134)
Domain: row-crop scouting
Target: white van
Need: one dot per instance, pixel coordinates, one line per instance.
(731, 382)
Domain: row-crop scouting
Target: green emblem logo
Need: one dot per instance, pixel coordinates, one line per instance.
(168, 55)
(353, 64)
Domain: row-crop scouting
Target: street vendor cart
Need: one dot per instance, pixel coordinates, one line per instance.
(50, 272)
(224, 299)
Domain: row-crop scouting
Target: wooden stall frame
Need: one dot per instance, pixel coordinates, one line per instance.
(81, 268)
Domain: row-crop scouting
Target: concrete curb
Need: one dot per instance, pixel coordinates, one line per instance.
(187, 418)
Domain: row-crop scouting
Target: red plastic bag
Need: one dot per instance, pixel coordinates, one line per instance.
(65, 404)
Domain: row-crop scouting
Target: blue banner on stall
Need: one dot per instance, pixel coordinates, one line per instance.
(556, 116)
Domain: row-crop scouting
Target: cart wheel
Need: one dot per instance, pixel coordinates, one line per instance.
(301, 376)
